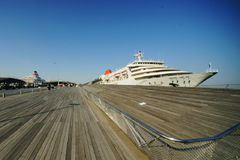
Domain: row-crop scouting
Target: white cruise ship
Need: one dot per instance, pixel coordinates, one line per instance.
(154, 73)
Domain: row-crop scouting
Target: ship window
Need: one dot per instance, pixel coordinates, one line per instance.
(177, 81)
(189, 81)
(184, 82)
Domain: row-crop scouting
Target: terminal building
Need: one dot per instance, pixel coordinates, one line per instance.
(11, 83)
(60, 83)
(33, 80)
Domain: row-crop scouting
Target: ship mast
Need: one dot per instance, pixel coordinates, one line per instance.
(139, 55)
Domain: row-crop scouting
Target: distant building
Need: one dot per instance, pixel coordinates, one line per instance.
(33, 79)
(10, 83)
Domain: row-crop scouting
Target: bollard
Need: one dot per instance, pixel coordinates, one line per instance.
(20, 92)
(32, 90)
(3, 95)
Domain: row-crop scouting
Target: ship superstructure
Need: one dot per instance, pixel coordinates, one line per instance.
(34, 79)
(156, 73)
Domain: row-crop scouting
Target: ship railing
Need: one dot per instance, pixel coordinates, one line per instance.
(211, 70)
(227, 85)
(5, 93)
(159, 146)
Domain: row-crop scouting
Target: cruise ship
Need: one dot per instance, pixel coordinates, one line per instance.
(154, 73)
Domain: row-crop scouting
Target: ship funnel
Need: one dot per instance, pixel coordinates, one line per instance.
(35, 74)
(108, 72)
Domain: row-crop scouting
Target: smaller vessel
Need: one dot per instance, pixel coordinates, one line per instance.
(33, 79)
(154, 73)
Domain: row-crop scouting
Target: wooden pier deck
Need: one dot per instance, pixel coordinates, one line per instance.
(60, 124)
(178, 112)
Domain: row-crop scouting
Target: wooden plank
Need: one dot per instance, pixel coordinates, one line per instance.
(56, 124)
(179, 112)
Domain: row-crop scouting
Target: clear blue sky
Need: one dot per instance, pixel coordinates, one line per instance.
(79, 40)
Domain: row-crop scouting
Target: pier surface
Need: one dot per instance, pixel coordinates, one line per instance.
(60, 124)
(178, 112)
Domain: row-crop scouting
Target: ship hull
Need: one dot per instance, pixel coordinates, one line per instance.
(186, 80)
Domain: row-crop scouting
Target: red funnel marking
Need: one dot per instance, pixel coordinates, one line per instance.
(108, 72)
